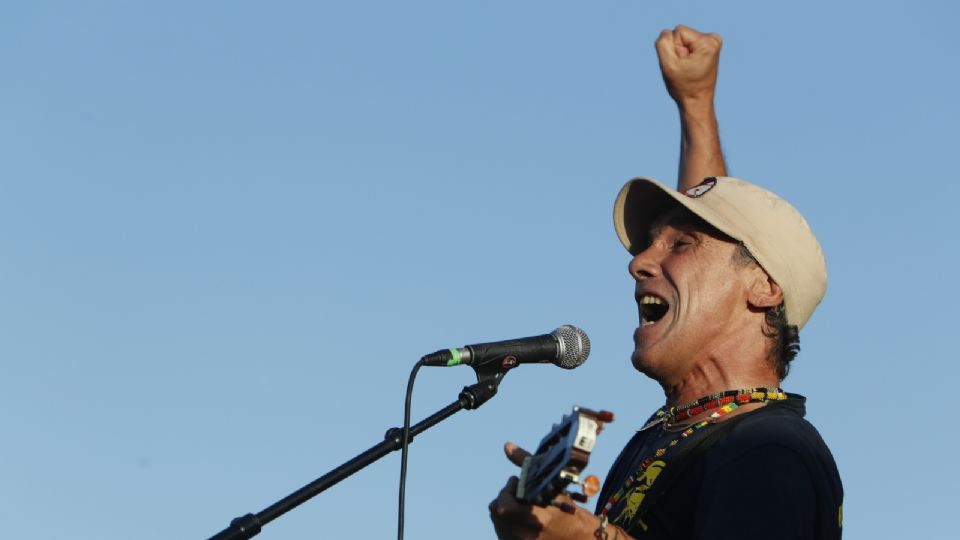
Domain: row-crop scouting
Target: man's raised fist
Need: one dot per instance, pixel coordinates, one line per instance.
(689, 62)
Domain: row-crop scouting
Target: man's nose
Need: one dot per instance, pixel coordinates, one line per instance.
(644, 265)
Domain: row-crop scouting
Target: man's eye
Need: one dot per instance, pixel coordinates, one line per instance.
(680, 245)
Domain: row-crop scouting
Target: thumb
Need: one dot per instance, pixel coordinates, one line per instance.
(515, 454)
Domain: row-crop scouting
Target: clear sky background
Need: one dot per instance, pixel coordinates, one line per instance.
(229, 229)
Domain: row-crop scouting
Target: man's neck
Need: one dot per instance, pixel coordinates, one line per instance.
(713, 375)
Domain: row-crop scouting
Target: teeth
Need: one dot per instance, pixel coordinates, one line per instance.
(647, 301)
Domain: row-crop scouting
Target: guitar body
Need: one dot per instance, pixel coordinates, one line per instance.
(560, 458)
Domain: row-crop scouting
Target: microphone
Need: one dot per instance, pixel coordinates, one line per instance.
(567, 347)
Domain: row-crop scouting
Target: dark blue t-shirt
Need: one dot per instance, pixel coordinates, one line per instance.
(768, 474)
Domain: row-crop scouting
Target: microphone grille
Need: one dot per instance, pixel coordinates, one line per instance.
(574, 346)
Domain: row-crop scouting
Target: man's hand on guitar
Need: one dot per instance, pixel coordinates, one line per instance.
(515, 520)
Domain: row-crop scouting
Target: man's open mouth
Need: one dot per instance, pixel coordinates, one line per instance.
(652, 309)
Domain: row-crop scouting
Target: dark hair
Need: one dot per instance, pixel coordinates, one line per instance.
(785, 337)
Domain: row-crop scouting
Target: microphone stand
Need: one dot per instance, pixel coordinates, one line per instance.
(471, 397)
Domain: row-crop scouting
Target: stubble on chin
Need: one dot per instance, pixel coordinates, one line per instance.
(642, 365)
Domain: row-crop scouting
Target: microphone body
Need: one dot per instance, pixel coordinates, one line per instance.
(567, 347)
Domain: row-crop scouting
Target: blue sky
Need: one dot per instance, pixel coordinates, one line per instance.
(229, 229)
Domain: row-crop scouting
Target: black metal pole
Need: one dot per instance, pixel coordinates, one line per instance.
(249, 525)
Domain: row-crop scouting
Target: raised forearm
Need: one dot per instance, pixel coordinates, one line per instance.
(700, 152)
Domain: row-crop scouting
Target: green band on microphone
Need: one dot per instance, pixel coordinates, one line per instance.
(456, 357)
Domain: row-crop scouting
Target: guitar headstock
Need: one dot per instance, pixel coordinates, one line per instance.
(560, 458)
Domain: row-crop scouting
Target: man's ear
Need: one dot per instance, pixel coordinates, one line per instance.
(763, 290)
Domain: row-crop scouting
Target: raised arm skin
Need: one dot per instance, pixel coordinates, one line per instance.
(688, 62)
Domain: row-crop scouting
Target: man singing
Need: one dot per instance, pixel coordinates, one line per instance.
(726, 275)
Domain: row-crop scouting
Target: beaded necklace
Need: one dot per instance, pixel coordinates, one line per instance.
(724, 402)
(679, 413)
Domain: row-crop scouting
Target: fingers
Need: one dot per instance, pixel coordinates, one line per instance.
(682, 43)
(689, 62)
(666, 49)
(511, 518)
(564, 506)
(506, 509)
(686, 35)
(692, 40)
(515, 520)
(515, 454)
(499, 506)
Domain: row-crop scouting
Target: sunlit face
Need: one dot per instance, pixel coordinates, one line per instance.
(690, 293)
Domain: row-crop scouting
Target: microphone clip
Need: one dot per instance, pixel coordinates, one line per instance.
(477, 394)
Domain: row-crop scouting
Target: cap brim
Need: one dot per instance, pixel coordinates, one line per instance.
(642, 200)
(639, 202)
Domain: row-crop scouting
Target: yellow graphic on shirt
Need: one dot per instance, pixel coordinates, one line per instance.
(639, 491)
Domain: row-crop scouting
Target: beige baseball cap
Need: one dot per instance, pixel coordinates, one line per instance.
(773, 230)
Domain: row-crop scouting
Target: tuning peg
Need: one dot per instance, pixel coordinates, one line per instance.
(590, 486)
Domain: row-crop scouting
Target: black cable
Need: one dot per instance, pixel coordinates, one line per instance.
(403, 449)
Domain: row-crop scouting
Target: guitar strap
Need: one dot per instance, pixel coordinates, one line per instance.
(672, 468)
